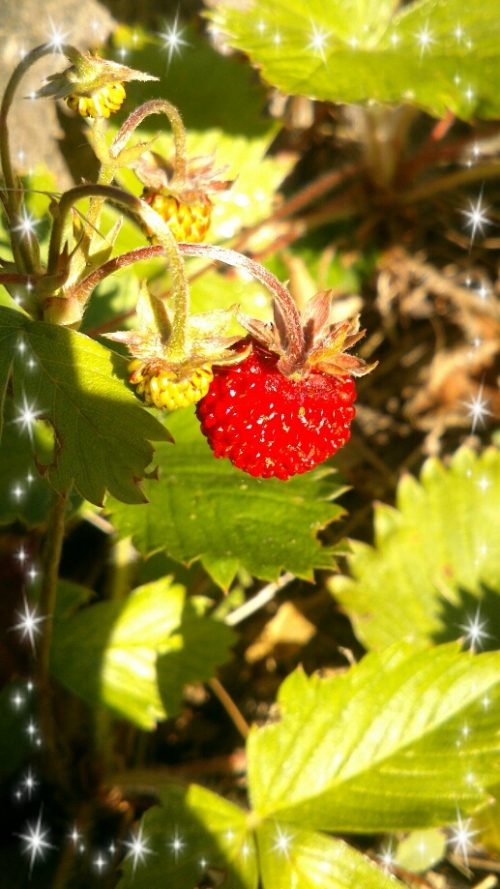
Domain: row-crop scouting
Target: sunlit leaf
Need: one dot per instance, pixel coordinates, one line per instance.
(434, 573)
(379, 747)
(441, 55)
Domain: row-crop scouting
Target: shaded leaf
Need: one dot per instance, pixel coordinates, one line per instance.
(437, 54)
(200, 645)
(194, 833)
(204, 508)
(379, 747)
(436, 558)
(102, 433)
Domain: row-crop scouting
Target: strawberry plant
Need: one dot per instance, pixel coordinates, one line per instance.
(215, 673)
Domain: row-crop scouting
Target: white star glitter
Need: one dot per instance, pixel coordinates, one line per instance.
(177, 844)
(27, 414)
(31, 729)
(139, 849)
(458, 33)
(478, 409)
(17, 492)
(26, 225)
(387, 857)
(35, 841)
(21, 555)
(28, 624)
(277, 38)
(469, 94)
(17, 700)
(172, 39)
(33, 574)
(476, 217)
(424, 39)
(56, 37)
(29, 783)
(461, 837)
(475, 630)
(75, 835)
(100, 863)
(283, 842)
(318, 40)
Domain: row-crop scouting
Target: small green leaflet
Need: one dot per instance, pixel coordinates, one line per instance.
(441, 55)
(436, 559)
(204, 508)
(135, 656)
(389, 745)
(102, 433)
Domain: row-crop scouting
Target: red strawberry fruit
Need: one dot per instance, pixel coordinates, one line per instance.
(271, 425)
(288, 405)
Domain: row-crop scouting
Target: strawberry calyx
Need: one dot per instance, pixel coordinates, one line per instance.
(323, 347)
(169, 376)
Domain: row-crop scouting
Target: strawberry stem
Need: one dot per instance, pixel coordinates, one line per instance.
(155, 106)
(22, 247)
(289, 311)
(168, 246)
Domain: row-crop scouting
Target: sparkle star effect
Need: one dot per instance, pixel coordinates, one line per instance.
(476, 217)
(318, 40)
(28, 624)
(475, 631)
(387, 857)
(27, 415)
(176, 844)
(172, 39)
(26, 225)
(35, 841)
(29, 783)
(283, 842)
(461, 837)
(138, 849)
(424, 39)
(477, 408)
(56, 38)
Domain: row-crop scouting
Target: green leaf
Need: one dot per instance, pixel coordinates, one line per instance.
(421, 850)
(227, 95)
(108, 652)
(102, 433)
(400, 741)
(204, 508)
(24, 496)
(436, 558)
(200, 645)
(135, 656)
(194, 833)
(302, 858)
(441, 55)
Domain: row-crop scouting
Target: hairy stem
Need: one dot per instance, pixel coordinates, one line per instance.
(155, 106)
(280, 293)
(168, 246)
(230, 707)
(449, 182)
(14, 199)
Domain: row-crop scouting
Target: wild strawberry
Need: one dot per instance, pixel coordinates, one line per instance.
(102, 103)
(91, 86)
(167, 388)
(288, 405)
(180, 198)
(188, 222)
(271, 425)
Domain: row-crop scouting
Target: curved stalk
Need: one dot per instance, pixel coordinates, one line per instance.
(21, 252)
(168, 247)
(219, 254)
(155, 106)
